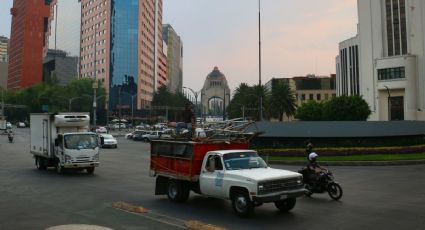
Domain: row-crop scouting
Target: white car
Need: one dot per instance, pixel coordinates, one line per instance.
(8, 125)
(109, 141)
(101, 129)
(119, 125)
(152, 135)
(20, 125)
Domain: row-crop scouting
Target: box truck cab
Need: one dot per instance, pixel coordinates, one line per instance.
(63, 141)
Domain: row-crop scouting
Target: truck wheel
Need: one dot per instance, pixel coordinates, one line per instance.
(59, 168)
(40, 163)
(90, 170)
(242, 205)
(285, 205)
(177, 192)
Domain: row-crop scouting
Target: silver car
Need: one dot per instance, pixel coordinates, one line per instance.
(109, 141)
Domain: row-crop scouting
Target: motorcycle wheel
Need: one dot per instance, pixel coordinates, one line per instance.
(335, 191)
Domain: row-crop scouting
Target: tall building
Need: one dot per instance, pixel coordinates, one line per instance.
(4, 47)
(119, 46)
(174, 58)
(391, 41)
(61, 62)
(347, 67)
(4, 44)
(30, 20)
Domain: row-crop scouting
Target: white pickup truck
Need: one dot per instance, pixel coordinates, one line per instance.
(235, 174)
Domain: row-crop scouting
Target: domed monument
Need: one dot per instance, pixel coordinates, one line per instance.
(215, 94)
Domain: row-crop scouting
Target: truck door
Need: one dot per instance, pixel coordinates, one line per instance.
(212, 176)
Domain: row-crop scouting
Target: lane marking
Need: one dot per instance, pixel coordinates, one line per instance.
(198, 225)
(78, 227)
(129, 207)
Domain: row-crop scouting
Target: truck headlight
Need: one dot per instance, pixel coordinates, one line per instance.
(300, 180)
(68, 158)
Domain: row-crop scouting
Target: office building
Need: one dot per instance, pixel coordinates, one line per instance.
(30, 22)
(61, 60)
(119, 46)
(392, 58)
(4, 47)
(174, 58)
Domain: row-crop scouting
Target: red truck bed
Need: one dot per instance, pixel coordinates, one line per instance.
(183, 160)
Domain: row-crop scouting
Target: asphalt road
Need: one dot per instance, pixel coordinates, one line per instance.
(391, 197)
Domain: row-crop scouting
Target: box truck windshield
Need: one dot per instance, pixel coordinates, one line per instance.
(80, 141)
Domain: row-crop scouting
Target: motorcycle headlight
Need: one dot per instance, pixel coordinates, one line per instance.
(299, 180)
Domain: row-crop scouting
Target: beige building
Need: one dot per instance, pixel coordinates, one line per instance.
(119, 43)
(310, 87)
(4, 44)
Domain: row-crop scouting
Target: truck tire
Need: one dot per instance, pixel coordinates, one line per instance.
(90, 170)
(177, 191)
(59, 168)
(242, 205)
(40, 163)
(285, 205)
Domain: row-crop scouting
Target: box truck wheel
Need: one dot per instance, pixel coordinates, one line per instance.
(90, 170)
(40, 163)
(177, 191)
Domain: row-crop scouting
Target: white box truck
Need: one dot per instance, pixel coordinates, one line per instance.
(63, 140)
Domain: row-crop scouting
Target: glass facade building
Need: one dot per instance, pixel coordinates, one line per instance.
(124, 54)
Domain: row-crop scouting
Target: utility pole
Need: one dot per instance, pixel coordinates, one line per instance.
(95, 77)
(259, 59)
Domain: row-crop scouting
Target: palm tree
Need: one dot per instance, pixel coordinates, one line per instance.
(281, 101)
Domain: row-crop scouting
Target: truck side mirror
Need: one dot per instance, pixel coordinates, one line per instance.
(56, 142)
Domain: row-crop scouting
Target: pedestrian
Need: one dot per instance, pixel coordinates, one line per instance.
(189, 120)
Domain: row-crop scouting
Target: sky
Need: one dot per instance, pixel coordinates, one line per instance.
(298, 37)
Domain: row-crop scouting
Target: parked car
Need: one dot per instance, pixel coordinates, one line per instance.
(20, 125)
(119, 125)
(109, 141)
(138, 135)
(101, 129)
(152, 135)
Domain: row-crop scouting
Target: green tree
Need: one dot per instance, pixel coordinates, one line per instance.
(346, 108)
(246, 101)
(310, 111)
(175, 102)
(281, 101)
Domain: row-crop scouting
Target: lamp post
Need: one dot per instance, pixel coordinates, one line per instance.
(259, 58)
(389, 103)
(132, 106)
(95, 83)
(224, 103)
(196, 98)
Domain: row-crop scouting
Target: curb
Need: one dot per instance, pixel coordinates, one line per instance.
(353, 163)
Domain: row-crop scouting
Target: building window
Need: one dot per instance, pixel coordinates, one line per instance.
(391, 73)
(311, 96)
(326, 96)
(302, 97)
(319, 97)
(396, 27)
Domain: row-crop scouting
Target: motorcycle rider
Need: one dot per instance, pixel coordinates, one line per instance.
(10, 136)
(314, 169)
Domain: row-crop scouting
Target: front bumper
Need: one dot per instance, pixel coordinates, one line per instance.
(81, 165)
(267, 198)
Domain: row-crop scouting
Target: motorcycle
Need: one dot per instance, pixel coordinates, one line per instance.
(10, 137)
(324, 183)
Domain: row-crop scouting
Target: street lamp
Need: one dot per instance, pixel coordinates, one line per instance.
(196, 98)
(259, 57)
(132, 106)
(389, 103)
(224, 103)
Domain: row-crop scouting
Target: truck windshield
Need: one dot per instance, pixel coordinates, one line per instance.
(80, 141)
(243, 160)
